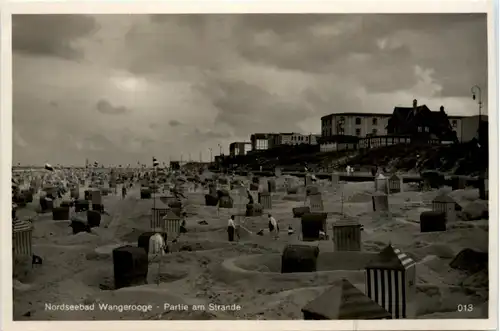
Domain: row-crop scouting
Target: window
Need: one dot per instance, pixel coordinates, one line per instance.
(262, 144)
(374, 132)
(358, 120)
(342, 119)
(426, 129)
(374, 121)
(341, 131)
(358, 132)
(454, 123)
(419, 129)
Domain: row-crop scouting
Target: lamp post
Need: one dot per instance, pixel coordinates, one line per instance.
(476, 90)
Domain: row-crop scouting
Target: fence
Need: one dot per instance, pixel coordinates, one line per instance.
(373, 142)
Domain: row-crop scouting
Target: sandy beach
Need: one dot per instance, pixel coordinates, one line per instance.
(207, 277)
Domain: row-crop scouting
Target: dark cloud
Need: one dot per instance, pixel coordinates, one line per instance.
(229, 75)
(174, 123)
(326, 42)
(50, 35)
(105, 107)
(248, 108)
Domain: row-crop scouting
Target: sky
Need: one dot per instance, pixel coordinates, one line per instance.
(118, 89)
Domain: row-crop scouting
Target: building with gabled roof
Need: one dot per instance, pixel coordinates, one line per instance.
(420, 122)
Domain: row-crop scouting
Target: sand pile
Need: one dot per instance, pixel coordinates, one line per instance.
(361, 197)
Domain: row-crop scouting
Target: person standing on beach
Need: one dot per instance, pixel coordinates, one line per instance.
(273, 225)
(250, 198)
(231, 228)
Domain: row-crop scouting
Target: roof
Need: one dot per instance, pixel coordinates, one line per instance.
(391, 258)
(160, 205)
(443, 198)
(458, 117)
(171, 216)
(346, 222)
(240, 142)
(395, 177)
(19, 226)
(343, 301)
(357, 115)
(262, 135)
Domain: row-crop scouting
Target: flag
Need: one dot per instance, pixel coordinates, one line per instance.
(49, 167)
(155, 162)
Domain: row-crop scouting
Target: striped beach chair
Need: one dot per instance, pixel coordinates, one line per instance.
(316, 203)
(391, 282)
(171, 225)
(22, 232)
(157, 214)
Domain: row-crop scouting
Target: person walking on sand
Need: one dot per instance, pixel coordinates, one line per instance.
(231, 228)
(273, 225)
(124, 191)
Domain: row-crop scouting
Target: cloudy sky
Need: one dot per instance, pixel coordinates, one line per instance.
(121, 88)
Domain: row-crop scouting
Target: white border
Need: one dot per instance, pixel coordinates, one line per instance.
(234, 6)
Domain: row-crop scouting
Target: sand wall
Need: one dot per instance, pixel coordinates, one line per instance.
(331, 266)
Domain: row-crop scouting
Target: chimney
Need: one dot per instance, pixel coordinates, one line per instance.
(415, 103)
(441, 109)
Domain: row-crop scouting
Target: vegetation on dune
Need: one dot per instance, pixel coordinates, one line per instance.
(461, 159)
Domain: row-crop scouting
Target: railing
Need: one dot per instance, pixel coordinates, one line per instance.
(374, 142)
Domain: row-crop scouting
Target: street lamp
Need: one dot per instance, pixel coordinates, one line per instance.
(476, 90)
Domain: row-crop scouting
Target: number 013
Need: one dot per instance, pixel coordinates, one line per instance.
(465, 308)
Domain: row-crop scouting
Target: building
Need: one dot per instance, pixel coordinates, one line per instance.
(293, 138)
(420, 122)
(260, 141)
(466, 126)
(354, 124)
(239, 148)
(264, 141)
